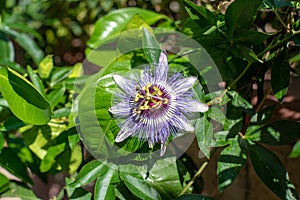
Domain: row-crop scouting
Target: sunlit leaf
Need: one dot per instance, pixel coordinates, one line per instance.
(4, 183)
(230, 162)
(150, 46)
(19, 191)
(45, 67)
(104, 189)
(113, 23)
(139, 187)
(295, 151)
(25, 101)
(49, 159)
(88, 173)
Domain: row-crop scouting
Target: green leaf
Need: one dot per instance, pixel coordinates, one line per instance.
(75, 159)
(164, 177)
(104, 189)
(59, 74)
(88, 173)
(11, 162)
(23, 27)
(263, 116)
(244, 53)
(13, 65)
(77, 193)
(217, 115)
(49, 159)
(113, 23)
(221, 139)
(139, 187)
(271, 171)
(4, 183)
(194, 197)
(295, 151)
(20, 191)
(45, 67)
(230, 162)
(202, 16)
(55, 96)
(61, 112)
(150, 46)
(276, 133)
(36, 137)
(250, 38)
(13, 123)
(26, 42)
(240, 102)
(240, 14)
(295, 58)
(1, 141)
(7, 52)
(204, 135)
(73, 137)
(36, 81)
(77, 71)
(280, 77)
(25, 101)
(131, 37)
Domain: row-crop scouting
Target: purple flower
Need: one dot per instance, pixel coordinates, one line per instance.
(153, 106)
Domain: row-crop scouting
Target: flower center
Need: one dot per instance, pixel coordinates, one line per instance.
(150, 97)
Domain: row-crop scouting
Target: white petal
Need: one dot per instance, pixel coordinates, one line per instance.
(123, 134)
(196, 106)
(126, 85)
(184, 84)
(162, 149)
(161, 72)
(182, 124)
(121, 109)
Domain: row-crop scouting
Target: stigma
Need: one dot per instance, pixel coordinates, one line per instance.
(150, 97)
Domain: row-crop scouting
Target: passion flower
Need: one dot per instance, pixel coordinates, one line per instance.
(154, 106)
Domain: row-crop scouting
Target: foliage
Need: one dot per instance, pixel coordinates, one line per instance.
(38, 131)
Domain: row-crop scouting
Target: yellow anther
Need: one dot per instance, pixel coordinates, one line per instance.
(154, 97)
(148, 97)
(136, 111)
(138, 96)
(157, 91)
(158, 103)
(144, 107)
(147, 88)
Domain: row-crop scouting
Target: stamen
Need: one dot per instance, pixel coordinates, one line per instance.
(149, 100)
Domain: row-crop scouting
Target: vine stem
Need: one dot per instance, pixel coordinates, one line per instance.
(198, 173)
(281, 21)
